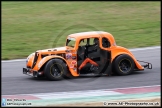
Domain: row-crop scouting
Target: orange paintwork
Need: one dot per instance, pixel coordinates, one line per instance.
(118, 50)
(72, 64)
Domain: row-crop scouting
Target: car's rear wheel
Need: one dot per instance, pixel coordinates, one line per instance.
(55, 69)
(123, 65)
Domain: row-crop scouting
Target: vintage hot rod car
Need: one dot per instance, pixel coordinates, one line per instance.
(93, 52)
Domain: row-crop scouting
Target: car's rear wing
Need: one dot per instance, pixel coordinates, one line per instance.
(147, 65)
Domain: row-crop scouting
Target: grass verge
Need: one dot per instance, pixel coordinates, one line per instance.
(31, 26)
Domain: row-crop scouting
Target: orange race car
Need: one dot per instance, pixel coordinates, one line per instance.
(85, 53)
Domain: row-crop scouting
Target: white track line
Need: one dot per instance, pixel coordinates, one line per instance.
(134, 49)
(76, 94)
(146, 48)
(15, 60)
(85, 91)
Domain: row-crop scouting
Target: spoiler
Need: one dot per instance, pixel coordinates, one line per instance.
(147, 65)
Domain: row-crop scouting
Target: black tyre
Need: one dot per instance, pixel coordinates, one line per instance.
(55, 69)
(123, 65)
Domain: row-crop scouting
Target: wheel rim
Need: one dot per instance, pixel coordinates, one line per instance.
(125, 65)
(55, 70)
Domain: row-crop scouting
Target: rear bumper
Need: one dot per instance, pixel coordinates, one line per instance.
(147, 65)
(30, 72)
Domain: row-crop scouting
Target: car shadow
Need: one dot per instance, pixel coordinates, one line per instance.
(84, 77)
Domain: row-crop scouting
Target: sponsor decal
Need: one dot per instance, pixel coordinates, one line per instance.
(73, 57)
(68, 55)
(71, 66)
(73, 62)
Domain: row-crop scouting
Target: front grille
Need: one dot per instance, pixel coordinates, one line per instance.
(35, 59)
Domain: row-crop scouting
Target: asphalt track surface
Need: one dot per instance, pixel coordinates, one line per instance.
(15, 82)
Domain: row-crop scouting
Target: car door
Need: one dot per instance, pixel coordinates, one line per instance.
(98, 54)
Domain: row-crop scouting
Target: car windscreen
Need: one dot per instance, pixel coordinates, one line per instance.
(70, 42)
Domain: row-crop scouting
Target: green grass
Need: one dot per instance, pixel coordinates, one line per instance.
(31, 26)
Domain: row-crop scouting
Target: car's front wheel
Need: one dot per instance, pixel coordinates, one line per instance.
(55, 69)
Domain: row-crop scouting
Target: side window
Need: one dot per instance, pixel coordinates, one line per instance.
(83, 42)
(105, 43)
(93, 41)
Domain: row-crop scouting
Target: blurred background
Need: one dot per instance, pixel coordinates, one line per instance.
(31, 26)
